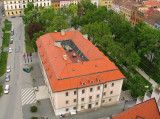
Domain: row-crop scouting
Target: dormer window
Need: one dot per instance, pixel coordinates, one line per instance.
(99, 80)
(83, 84)
(91, 82)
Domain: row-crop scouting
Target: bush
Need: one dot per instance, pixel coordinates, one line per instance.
(34, 117)
(31, 68)
(1, 89)
(33, 109)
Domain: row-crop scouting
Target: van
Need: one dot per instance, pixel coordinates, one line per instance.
(6, 89)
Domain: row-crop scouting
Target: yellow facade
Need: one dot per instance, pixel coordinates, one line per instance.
(126, 13)
(17, 12)
(106, 3)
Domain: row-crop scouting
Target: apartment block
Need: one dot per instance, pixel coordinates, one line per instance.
(78, 76)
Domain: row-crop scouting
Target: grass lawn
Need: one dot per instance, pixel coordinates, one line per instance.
(6, 40)
(1, 89)
(8, 27)
(144, 65)
(3, 63)
(29, 46)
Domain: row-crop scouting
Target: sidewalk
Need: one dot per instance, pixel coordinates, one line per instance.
(154, 84)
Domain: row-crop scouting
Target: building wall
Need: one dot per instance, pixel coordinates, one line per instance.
(56, 4)
(106, 3)
(157, 26)
(16, 7)
(64, 3)
(136, 16)
(113, 6)
(126, 12)
(86, 98)
(95, 2)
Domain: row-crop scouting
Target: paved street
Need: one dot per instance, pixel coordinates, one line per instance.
(11, 103)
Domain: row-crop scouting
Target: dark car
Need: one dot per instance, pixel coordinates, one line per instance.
(26, 70)
(13, 16)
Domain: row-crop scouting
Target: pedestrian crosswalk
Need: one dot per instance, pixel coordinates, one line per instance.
(28, 96)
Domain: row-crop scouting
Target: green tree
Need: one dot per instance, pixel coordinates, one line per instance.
(58, 23)
(29, 7)
(35, 37)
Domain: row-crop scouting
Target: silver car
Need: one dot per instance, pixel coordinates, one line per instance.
(7, 78)
(10, 50)
(8, 69)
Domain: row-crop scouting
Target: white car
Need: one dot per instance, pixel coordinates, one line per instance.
(10, 50)
(6, 89)
(7, 78)
(8, 69)
(3, 15)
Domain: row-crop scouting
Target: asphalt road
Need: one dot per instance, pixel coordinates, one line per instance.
(10, 104)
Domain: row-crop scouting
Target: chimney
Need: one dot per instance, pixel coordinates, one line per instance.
(85, 36)
(63, 32)
(73, 29)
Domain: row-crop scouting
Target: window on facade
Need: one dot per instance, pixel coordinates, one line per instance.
(98, 96)
(83, 91)
(91, 89)
(11, 2)
(104, 93)
(75, 92)
(11, 7)
(19, 6)
(16, 12)
(98, 88)
(74, 108)
(44, 4)
(15, 7)
(112, 84)
(105, 85)
(82, 107)
(19, 1)
(48, 4)
(74, 100)
(56, 5)
(67, 102)
(111, 92)
(82, 99)
(8, 13)
(96, 103)
(14, 1)
(19, 11)
(67, 109)
(110, 99)
(12, 13)
(66, 93)
(103, 101)
(90, 97)
(7, 7)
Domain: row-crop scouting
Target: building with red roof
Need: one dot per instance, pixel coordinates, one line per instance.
(145, 110)
(78, 76)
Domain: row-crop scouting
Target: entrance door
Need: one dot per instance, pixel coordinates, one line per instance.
(89, 106)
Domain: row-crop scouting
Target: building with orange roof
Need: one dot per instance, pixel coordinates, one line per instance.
(137, 15)
(152, 3)
(126, 8)
(145, 110)
(152, 18)
(78, 76)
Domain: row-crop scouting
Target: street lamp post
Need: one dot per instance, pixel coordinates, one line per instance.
(125, 104)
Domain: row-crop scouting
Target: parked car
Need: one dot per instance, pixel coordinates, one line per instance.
(6, 89)
(8, 69)
(7, 78)
(10, 50)
(13, 16)
(3, 15)
(11, 40)
(26, 70)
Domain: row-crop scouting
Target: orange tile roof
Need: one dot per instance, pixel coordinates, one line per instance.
(145, 110)
(152, 17)
(152, 3)
(128, 5)
(64, 74)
